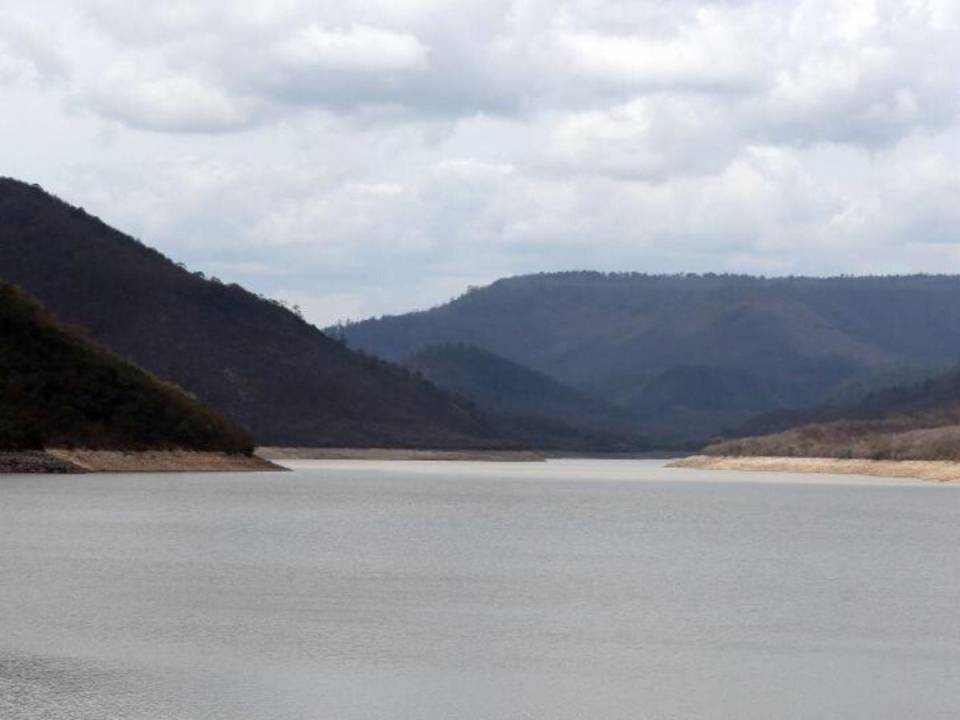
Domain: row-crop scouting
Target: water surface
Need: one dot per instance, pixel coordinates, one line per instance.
(592, 590)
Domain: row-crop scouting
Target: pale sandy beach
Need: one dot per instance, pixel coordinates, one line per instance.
(930, 470)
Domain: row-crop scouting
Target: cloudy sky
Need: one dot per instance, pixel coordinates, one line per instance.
(371, 157)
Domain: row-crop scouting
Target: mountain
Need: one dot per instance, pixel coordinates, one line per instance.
(912, 422)
(692, 355)
(58, 389)
(258, 363)
(526, 404)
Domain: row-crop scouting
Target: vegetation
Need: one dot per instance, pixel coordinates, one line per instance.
(912, 422)
(252, 359)
(526, 404)
(58, 389)
(569, 360)
(693, 356)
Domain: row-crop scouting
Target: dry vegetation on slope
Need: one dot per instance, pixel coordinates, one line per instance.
(869, 441)
(920, 422)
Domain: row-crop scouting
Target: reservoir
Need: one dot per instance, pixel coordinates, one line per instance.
(565, 590)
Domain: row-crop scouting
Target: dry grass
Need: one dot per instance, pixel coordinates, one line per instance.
(849, 440)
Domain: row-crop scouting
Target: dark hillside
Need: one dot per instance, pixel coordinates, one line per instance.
(255, 361)
(693, 355)
(528, 404)
(58, 389)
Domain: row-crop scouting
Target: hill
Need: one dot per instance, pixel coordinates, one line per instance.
(693, 355)
(912, 422)
(258, 363)
(58, 389)
(526, 404)
(867, 396)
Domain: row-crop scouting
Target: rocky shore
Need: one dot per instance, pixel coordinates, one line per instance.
(54, 460)
(34, 461)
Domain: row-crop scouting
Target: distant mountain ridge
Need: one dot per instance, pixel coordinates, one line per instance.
(527, 404)
(58, 389)
(692, 355)
(259, 364)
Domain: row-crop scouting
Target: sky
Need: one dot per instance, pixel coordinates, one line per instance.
(374, 157)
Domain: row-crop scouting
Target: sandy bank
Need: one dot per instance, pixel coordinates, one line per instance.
(934, 470)
(277, 453)
(156, 461)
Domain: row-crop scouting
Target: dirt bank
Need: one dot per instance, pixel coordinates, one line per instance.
(277, 453)
(934, 470)
(158, 461)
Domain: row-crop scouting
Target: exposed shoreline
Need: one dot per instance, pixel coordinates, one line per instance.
(281, 454)
(60, 460)
(929, 470)
(17, 462)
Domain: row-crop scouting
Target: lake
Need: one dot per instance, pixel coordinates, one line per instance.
(568, 590)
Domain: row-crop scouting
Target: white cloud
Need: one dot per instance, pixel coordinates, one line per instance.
(710, 55)
(360, 48)
(166, 102)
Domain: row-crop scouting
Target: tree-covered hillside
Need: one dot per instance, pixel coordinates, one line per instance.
(258, 363)
(58, 389)
(527, 404)
(693, 355)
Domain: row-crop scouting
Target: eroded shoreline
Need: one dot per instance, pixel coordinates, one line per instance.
(71, 461)
(282, 453)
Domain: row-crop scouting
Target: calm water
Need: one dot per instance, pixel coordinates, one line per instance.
(587, 590)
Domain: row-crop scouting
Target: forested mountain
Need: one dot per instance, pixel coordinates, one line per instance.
(258, 363)
(527, 404)
(693, 355)
(920, 421)
(58, 389)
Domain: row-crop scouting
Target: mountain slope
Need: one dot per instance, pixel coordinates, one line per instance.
(59, 389)
(783, 342)
(525, 403)
(259, 364)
